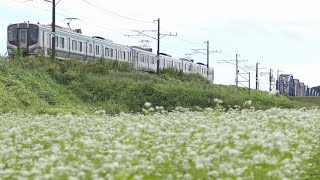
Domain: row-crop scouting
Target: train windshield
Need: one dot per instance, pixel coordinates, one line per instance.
(13, 34)
(33, 34)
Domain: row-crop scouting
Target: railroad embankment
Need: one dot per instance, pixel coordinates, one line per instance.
(36, 85)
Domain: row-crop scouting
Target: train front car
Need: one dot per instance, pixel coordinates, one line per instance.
(23, 38)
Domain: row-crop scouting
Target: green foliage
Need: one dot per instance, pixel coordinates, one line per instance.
(176, 74)
(35, 84)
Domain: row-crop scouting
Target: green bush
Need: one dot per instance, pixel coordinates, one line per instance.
(35, 84)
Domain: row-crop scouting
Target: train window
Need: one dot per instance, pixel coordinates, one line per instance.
(102, 51)
(90, 48)
(107, 52)
(23, 37)
(57, 41)
(97, 49)
(74, 45)
(80, 46)
(12, 34)
(62, 42)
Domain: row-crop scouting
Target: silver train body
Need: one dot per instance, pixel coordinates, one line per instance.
(35, 39)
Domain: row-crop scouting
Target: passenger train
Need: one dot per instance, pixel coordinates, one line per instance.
(286, 84)
(35, 39)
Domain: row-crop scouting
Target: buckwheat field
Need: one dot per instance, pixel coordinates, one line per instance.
(209, 144)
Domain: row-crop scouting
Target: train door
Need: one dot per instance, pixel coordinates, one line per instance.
(69, 45)
(45, 42)
(86, 46)
(102, 51)
(22, 40)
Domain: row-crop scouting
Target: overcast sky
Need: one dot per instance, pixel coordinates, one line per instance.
(279, 34)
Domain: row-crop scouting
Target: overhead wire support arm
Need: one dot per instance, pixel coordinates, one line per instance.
(236, 64)
(141, 33)
(207, 53)
(256, 69)
(159, 36)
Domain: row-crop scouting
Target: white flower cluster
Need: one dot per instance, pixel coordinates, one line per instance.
(246, 144)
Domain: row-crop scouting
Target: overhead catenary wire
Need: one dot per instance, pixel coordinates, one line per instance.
(104, 26)
(116, 14)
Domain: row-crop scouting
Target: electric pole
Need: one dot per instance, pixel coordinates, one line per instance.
(272, 83)
(237, 67)
(207, 42)
(278, 83)
(158, 47)
(237, 70)
(208, 52)
(257, 78)
(159, 36)
(270, 80)
(256, 69)
(53, 52)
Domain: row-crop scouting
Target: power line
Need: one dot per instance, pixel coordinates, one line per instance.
(159, 36)
(182, 39)
(110, 12)
(103, 26)
(47, 10)
(208, 52)
(237, 67)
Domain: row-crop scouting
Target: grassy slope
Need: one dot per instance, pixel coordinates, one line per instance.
(38, 86)
(308, 99)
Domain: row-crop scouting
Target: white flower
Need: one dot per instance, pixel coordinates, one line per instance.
(147, 104)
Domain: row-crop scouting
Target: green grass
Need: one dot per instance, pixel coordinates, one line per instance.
(38, 85)
(308, 99)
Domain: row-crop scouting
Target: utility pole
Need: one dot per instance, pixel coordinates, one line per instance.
(159, 36)
(208, 52)
(257, 78)
(272, 83)
(237, 66)
(207, 42)
(278, 83)
(256, 69)
(158, 48)
(53, 52)
(237, 70)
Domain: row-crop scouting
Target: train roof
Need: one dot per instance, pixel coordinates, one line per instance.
(141, 48)
(101, 38)
(286, 75)
(201, 63)
(164, 54)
